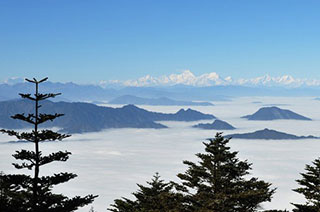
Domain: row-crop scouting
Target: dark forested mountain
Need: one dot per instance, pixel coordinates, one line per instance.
(85, 117)
(273, 113)
(216, 125)
(269, 135)
(130, 99)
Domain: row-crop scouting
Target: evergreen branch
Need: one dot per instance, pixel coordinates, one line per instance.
(17, 180)
(26, 155)
(27, 96)
(19, 136)
(23, 165)
(24, 136)
(49, 181)
(40, 96)
(46, 117)
(57, 156)
(42, 135)
(9, 132)
(76, 202)
(30, 118)
(27, 136)
(51, 136)
(60, 203)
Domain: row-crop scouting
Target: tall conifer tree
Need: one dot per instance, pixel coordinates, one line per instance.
(310, 188)
(33, 193)
(219, 181)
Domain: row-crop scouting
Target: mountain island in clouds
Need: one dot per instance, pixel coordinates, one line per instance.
(216, 125)
(274, 113)
(268, 134)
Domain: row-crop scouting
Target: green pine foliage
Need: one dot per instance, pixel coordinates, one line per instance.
(26, 193)
(310, 188)
(220, 182)
(157, 197)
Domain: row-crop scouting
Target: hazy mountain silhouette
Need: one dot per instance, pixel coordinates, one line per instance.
(86, 117)
(269, 135)
(273, 113)
(77, 92)
(216, 125)
(130, 99)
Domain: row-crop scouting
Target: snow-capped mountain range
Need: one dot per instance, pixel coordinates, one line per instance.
(186, 77)
(185, 86)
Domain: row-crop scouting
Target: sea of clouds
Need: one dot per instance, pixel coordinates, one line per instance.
(111, 162)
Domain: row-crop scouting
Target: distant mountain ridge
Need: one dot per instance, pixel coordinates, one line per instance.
(273, 113)
(130, 99)
(85, 117)
(216, 125)
(93, 92)
(71, 91)
(268, 134)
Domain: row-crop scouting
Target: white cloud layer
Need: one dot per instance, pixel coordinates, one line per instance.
(186, 77)
(111, 162)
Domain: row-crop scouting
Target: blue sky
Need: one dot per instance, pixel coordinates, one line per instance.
(89, 41)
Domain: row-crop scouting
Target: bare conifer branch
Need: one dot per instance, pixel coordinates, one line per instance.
(44, 79)
(32, 81)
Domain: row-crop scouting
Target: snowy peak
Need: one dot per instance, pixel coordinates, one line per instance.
(185, 78)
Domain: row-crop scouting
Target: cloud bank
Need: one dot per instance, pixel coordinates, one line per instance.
(186, 77)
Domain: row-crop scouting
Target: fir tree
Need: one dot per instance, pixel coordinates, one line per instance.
(26, 193)
(157, 197)
(310, 188)
(219, 182)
